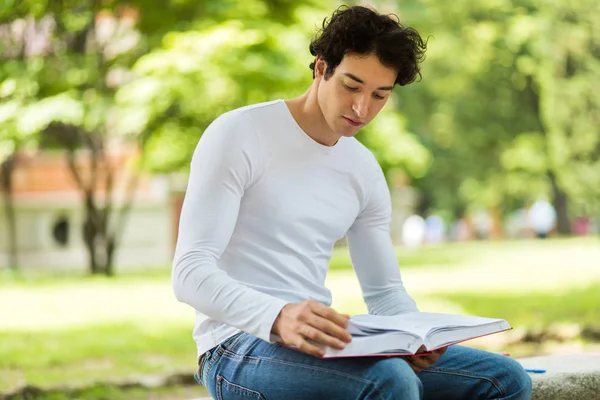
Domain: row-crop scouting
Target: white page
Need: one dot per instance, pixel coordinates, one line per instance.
(391, 342)
(442, 338)
(419, 323)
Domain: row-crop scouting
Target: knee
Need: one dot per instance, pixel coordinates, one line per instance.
(516, 382)
(393, 379)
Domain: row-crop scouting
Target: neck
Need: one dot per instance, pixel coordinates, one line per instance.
(309, 116)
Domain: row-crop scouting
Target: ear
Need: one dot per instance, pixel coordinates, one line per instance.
(320, 67)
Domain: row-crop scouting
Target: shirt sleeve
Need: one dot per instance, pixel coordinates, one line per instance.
(373, 255)
(226, 161)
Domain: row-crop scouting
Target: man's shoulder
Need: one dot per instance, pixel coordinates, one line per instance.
(235, 124)
(252, 110)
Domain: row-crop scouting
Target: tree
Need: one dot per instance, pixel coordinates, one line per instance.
(229, 61)
(76, 58)
(17, 92)
(241, 60)
(505, 90)
(7, 166)
(87, 94)
(560, 56)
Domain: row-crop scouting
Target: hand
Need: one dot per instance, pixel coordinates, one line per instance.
(419, 363)
(298, 323)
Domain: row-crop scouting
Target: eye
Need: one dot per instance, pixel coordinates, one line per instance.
(378, 96)
(350, 88)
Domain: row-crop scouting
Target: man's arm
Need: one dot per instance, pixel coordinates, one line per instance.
(226, 161)
(373, 255)
(376, 266)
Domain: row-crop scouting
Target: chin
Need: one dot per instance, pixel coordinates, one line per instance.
(344, 130)
(348, 132)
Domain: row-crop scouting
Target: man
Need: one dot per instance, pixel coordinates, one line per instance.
(272, 187)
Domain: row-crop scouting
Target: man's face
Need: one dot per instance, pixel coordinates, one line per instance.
(355, 93)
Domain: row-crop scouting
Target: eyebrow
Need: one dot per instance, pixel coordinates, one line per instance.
(357, 79)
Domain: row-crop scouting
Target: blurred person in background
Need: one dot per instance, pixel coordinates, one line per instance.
(542, 218)
(272, 187)
(436, 229)
(483, 224)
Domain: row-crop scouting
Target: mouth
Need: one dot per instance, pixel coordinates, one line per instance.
(353, 122)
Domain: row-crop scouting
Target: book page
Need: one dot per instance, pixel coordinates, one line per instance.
(419, 323)
(444, 337)
(392, 342)
(404, 333)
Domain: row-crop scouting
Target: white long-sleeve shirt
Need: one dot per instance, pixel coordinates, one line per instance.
(264, 206)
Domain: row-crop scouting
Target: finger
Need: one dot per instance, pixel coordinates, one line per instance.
(441, 351)
(304, 346)
(420, 361)
(429, 360)
(422, 349)
(321, 337)
(435, 355)
(330, 328)
(412, 365)
(330, 314)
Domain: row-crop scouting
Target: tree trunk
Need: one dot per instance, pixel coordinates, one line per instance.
(111, 245)
(560, 201)
(104, 223)
(89, 238)
(6, 171)
(101, 243)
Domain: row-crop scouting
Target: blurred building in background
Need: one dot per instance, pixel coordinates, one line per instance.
(49, 215)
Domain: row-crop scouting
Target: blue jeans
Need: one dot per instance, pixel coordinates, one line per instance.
(245, 367)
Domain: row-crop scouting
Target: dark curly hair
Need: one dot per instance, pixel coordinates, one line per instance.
(360, 30)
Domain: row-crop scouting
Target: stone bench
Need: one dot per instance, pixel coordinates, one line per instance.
(567, 377)
(572, 377)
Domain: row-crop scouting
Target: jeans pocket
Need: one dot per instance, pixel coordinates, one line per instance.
(231, 343)
(231, 391)
(204, 365)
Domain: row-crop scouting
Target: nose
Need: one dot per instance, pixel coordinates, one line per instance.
(361, 106)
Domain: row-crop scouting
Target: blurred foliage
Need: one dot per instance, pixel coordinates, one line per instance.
(507, 110)
(202, 73)
(248, 58)
(80, 75)
(510, 101)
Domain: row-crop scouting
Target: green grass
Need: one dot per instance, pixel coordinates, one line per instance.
(112, 392)
(43, 277)
(458, 253)
(447, 254)
(578, 306)
(93, 333)
(97, 353)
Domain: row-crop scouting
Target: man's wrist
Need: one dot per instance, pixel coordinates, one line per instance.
(275, 328)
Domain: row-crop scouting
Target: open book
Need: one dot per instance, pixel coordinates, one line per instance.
(374, 335)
